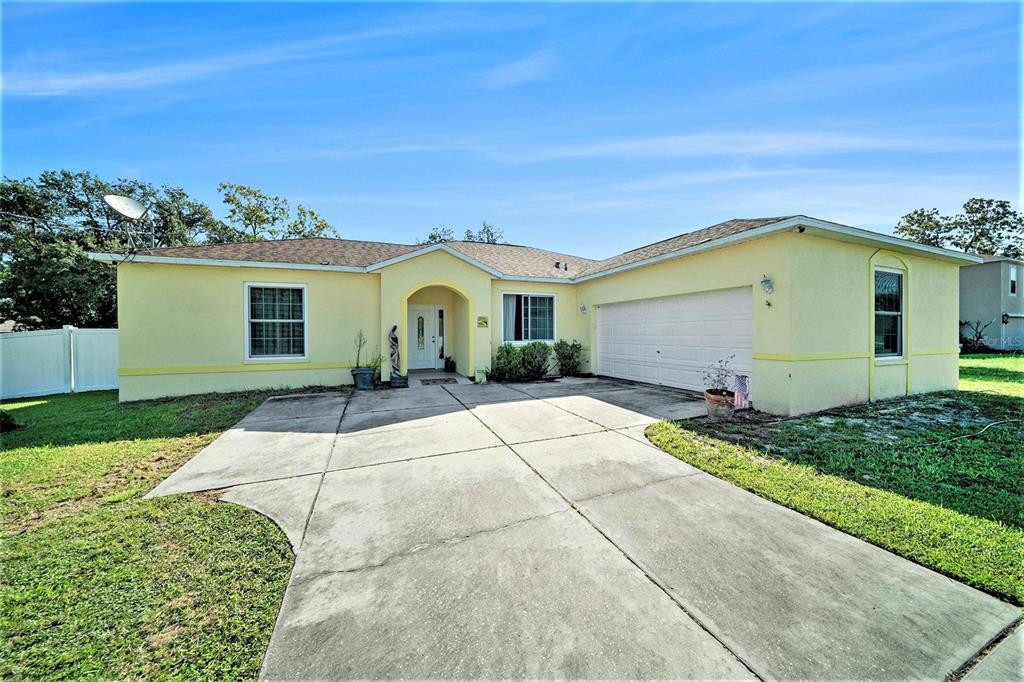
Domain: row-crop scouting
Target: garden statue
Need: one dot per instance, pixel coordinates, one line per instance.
(397, 380)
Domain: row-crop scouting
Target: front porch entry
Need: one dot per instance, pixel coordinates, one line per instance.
(428, 336)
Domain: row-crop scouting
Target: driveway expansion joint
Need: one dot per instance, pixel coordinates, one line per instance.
(415, 549)
(416, 458)
(650, 577)
(633, 489)
(327, 463)
(974, 661)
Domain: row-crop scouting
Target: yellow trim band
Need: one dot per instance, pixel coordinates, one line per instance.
(225, 369)
(809, 357)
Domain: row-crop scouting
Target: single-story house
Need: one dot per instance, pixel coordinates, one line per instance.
(991, 299)
(817, 314)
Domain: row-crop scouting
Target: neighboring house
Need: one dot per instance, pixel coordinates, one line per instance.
(816, 313)
(990, 294)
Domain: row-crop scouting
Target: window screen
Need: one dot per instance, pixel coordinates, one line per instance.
(277, 325)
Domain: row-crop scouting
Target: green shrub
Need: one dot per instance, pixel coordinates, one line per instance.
(507, 364)
(569, 357)
(520, 363)
(7, 422)
(536, 360)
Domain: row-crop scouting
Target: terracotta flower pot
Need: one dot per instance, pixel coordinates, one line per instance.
(720, 403)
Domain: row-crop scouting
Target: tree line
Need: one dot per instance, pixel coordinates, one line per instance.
(49, 224)
(985, 226)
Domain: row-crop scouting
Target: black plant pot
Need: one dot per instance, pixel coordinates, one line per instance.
(363, 377)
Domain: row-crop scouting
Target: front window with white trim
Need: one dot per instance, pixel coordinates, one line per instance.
(888, 313)
(275, 321)
(528, 317)
(1013, 280)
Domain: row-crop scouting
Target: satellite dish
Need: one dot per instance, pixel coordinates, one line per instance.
(126, 206)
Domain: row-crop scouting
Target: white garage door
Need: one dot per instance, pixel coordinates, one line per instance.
(671, 341)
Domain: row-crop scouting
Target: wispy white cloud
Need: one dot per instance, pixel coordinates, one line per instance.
(387, 149)
(768, 143)
(32, 79)
(815, 82)
(747, 144)
(529, 68)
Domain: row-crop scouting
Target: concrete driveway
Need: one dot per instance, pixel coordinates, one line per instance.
(532, 531)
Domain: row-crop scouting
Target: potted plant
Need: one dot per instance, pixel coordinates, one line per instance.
(720, 400)
(362, 376)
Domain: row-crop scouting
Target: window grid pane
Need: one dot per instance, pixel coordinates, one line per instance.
(276, 323)
(542, 318)
(534, 318)
(276, 338)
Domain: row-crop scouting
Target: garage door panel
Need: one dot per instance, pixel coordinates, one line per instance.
(673, 340)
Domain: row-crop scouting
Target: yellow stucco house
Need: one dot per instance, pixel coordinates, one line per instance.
(817, 314)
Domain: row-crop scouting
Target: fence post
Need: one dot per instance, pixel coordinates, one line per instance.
(69, 355)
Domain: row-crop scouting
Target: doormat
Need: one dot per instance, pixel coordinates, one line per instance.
(435, 382)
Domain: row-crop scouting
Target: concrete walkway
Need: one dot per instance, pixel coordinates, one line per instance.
(532, 531)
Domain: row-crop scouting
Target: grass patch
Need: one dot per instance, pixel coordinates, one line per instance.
(912, 475)
(100, 583)
(1003, 374)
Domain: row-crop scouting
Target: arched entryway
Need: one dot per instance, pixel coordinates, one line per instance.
(438, 331)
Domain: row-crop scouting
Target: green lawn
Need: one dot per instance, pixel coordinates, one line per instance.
(1002, 374)
(99, 583)
(891, 473)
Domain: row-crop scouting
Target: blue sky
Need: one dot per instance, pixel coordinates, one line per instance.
(588, 129)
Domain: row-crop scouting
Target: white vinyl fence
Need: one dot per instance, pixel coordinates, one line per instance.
(67, 360)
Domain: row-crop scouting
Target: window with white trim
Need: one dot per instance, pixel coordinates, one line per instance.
(528, 317)
(888, 313)
(275, 320)
(1013, 280)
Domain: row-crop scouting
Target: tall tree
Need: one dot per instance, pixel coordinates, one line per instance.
(46, 230)
(49, 224)
(487, 233)
(179, 220)
(308, 223)
(923, 225)
(437, 235)
(254, 216)
(984, 226)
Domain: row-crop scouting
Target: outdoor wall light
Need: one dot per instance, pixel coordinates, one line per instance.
(766, 284)
(583, 308)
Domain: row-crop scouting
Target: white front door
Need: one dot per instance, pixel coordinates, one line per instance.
(426, 338)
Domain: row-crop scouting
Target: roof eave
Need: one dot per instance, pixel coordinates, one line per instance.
(431, 249)
(828, 229)
(119, 258)
(857, 234)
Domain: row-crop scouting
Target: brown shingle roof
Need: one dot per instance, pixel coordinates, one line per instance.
(508, 259)
(524, 261)
(683, 241)
(315, 251)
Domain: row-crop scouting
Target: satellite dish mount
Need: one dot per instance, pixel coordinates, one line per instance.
(134, 212)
